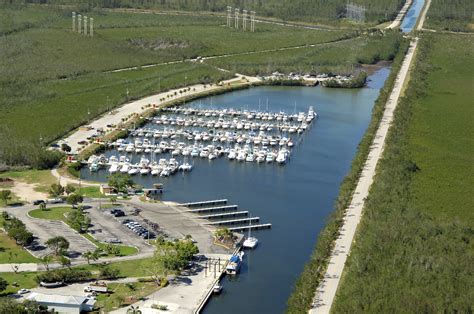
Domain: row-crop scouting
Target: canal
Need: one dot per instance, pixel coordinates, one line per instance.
(296, 198)
(409, 22)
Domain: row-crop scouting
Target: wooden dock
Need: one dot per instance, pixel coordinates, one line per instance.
(233, 221)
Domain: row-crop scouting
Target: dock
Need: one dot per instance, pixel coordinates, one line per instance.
(253, 227)
(233, 221)
(205, 203)
(224, 215)
(212, 209)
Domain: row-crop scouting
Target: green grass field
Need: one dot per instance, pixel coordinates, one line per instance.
(413, 251)
(451, 15)
(339, 57)
(24, 280)
(120, 292)
(10, 252)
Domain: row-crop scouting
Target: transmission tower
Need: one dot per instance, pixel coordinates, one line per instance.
(252, 21)
(355, 12)
(244, 19)
(229, 16)
(237, 11)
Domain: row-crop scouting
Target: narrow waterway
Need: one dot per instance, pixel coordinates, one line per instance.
(409, 22)
(296, 198)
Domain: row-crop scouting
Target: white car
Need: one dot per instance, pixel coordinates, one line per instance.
(23, 291)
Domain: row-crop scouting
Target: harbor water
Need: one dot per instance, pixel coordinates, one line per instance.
(296, 197)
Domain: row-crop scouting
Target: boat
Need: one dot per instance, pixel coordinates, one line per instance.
(114, 168)
(232, 154)
(94, 167)
(133, 171)
(185, 167)
(235, 262)
(282, 156)
(250, 242)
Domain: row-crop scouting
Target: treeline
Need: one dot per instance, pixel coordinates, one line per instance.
(452, 15)
(16, 230)
(305, 287)
(295, 10)
(404, 260)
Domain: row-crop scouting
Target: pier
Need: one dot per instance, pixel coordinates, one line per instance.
(252, 227)
(224, 215)
(233, 221)
(205, 203)
(212, 209)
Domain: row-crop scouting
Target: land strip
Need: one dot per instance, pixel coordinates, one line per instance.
(327, 290)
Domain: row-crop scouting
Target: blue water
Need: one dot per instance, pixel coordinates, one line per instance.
(411, 17)
(296, 198)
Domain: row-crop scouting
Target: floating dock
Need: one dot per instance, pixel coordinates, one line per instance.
(233, 221)
(224, 215)
(212, 209)
(205, 203)
(253, 227)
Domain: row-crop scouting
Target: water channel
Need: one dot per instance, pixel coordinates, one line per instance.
(411, 17)
(296, 198)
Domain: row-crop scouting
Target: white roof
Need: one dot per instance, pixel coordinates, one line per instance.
(57, 298)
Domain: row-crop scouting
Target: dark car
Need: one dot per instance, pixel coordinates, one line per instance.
(37, 202)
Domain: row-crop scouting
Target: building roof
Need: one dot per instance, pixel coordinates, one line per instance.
(58, 299)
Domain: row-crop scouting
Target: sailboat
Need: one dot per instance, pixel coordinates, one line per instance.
(250, 242)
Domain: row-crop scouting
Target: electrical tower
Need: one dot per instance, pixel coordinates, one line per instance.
(244, 19)
(229, 16)
(252, 21)
(355, 12)
(237, 11)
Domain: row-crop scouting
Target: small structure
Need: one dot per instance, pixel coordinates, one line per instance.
(63, 303)
(107, 190)
(155, 192)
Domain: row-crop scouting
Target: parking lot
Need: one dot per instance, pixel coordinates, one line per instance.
(45, 229)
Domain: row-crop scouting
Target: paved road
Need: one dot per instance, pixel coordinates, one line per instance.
(327, 290)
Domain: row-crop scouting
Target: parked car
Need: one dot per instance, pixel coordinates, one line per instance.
(55, 200)
(38, 202)
(23, 291)
(113, 241)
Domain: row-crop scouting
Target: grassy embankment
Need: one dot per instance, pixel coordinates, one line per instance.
(52, 81)
(414, 247)
(451, 15)
(342, 57)
(60, 213)
(130, 292)
(303, 293)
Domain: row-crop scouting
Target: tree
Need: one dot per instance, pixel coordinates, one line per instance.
(78, 220)
(69, 189)
(65, 262)
(113, 200)
(3, 284)
(91, 256)
(74, 199)
(65, 148)
(56, 190)
(109, 273)
(223, 234)
(22, 236)
(5, 196)
(58, 245)
(42, 206)
(46, 260)
(134, 310)
(120, 181)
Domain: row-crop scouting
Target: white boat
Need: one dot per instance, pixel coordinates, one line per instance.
(241, 156)
(232, 154)
(250, 157)
(185, 167)
(144, 171)
(212, 156)
(114, 167)
(125, 168)
(282, 156)
(133, 171)
(250, 242)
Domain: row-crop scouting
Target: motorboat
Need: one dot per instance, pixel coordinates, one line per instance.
(234, 264)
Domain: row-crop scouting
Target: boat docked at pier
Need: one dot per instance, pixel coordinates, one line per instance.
(234, 264)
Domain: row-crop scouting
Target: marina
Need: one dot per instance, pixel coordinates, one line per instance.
(293, 200)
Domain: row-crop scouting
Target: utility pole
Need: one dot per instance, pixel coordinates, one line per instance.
(244, 19)
(85, 25)
(79, 26)
(73, 21)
